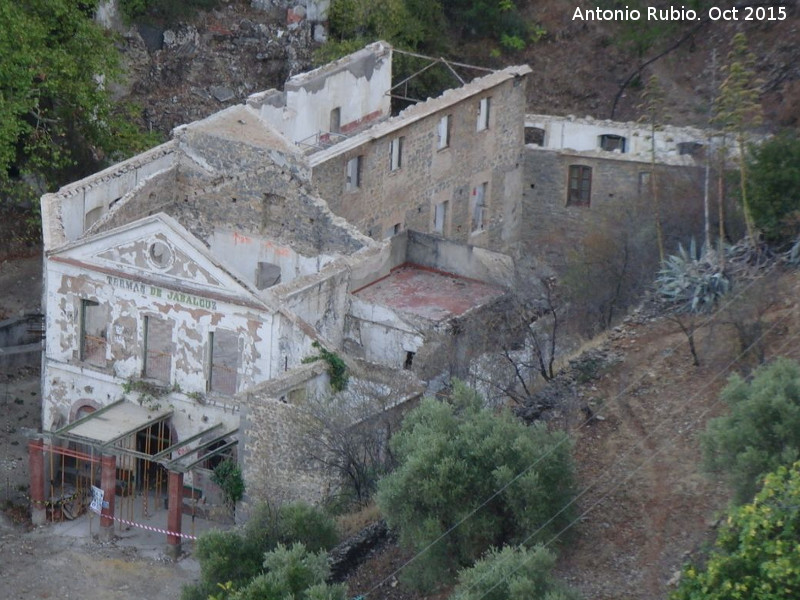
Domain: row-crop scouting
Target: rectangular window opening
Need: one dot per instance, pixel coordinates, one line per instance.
(440, 217)
(396, 153)
(483, 113)
(336, 120)
(223, 361)
(443, 132)
(157, 349)
(479, 206)
(612, 143)
(93, 336)
(353, 173)
(580, 185)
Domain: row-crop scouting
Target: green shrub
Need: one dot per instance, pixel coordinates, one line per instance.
(292, 573)
(774, 188)
(162, 11)
(762, 430)
(454, 456)
(293, 522)
(512, 574)
(238, 555)
(755, 555)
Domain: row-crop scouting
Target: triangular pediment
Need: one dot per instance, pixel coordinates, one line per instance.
(159, 253)
(157, 249)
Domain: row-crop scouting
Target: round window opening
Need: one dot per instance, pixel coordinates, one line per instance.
(160, 255)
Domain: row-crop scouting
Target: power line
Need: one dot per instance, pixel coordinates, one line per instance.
(725, 304)
(647, 460)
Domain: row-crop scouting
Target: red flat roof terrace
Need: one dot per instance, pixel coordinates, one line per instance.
(428, 293)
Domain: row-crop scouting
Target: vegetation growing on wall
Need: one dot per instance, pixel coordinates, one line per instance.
(337, 368)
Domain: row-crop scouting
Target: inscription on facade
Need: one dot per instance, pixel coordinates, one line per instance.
(157, 292)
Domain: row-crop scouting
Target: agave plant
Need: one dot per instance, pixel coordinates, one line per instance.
(690, 282)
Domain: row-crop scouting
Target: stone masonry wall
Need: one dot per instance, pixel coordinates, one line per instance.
(620, 195)
(427, 175)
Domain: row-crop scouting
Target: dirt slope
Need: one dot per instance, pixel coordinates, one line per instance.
(644, 506)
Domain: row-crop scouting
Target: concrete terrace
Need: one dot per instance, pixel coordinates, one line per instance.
(428, 293)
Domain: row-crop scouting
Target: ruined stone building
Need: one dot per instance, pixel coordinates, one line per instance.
(188, 289)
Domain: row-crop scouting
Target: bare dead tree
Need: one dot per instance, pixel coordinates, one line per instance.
(346, 435)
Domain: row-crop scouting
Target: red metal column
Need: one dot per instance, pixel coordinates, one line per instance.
(108, 481)
(175, 514)
(36, 470)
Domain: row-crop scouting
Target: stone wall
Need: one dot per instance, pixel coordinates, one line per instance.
(388, 200)
(620, 198)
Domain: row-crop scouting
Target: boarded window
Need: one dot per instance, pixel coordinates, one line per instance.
(478, 206)
(93, 336)
(396, 153)
(267, 275)
(443, 132)
(612, 143)
(157, 349)
(534, 135)
(483, 113)
(353, 173)
(223, 361)
(580, 185)
(440, 217)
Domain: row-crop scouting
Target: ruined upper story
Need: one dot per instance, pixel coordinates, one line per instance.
(630, 141)
(323, 106)
(233, 182)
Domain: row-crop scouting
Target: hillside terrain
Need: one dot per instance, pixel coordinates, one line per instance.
(185, 71)
(644, 506)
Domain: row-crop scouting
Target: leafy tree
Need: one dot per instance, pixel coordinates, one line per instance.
(755, 555)
(738, 109)
(774, 187)
(456, 458)
(228, 476)
(292, 573)
(56, 118)
(512, 574)
(762, 431)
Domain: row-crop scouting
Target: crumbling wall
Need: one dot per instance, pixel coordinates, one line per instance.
(353, 87)
(387, 200)
(77, 206)
(274, 464)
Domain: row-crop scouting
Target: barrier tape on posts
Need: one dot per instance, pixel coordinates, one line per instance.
(149, 528)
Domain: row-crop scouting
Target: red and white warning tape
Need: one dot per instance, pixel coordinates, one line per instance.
(156, 529)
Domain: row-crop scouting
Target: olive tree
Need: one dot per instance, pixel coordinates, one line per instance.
(468, 479)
